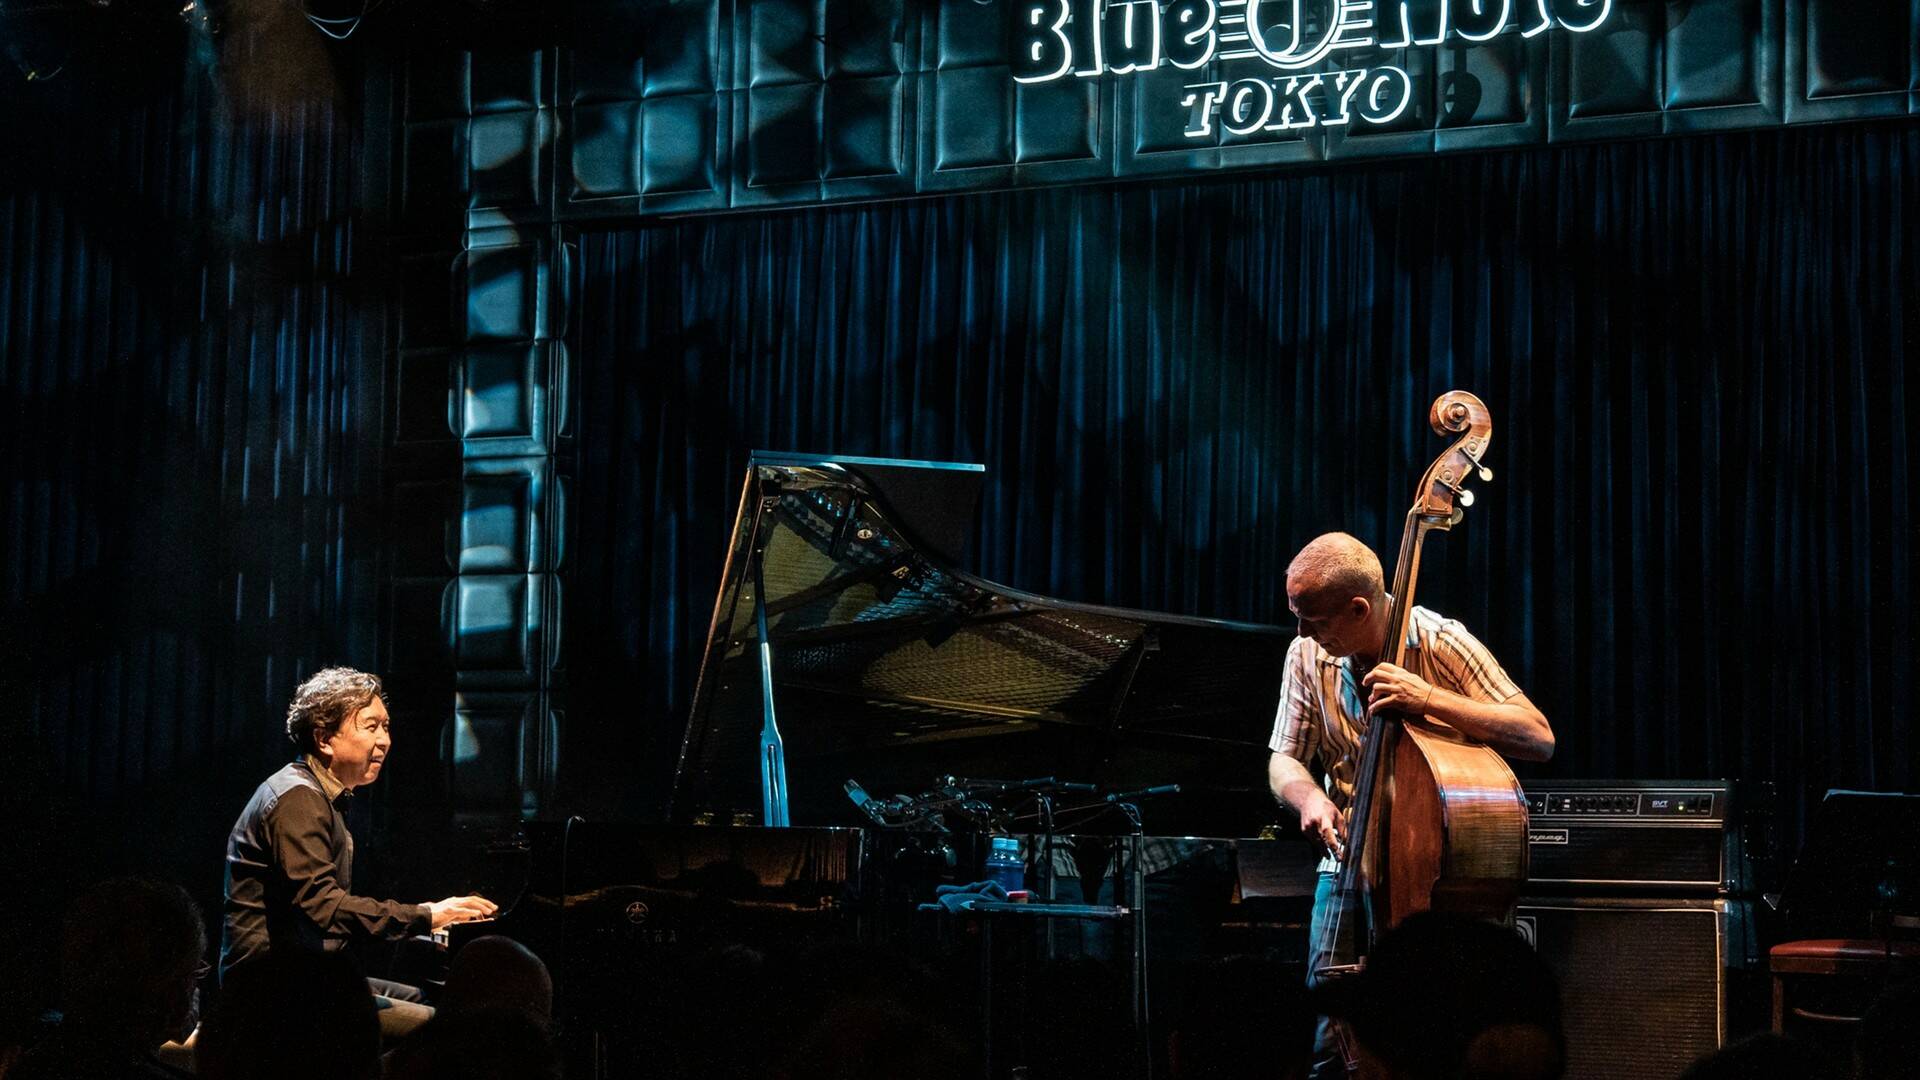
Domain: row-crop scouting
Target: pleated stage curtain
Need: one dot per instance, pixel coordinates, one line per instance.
(191, 517)
(1695, 554)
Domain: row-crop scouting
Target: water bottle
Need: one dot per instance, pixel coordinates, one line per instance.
(1004, 866)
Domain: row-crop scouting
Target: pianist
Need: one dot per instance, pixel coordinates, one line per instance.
(289, 877)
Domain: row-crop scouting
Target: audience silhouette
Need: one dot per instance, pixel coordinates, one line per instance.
(132, 952)
(292, 1015)
(1444, 997)
(1441, 998)
(1764, 1056)
(1888, 1044)
(498, 972)
(485, 1042)
(1244, 1016)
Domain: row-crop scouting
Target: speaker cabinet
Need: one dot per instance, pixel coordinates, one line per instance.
(1643, 989)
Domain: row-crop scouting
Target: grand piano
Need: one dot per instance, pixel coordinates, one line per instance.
(846, 645)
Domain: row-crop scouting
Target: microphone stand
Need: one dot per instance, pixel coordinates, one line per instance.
(1137, 900)
(1044, 815)
(1043, 877)
(1135, 878)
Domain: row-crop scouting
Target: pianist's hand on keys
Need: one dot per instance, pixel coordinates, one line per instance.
(456, 909)
(444, 936)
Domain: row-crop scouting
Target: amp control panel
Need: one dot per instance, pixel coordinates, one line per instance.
(1659, 805)
(1654, 838)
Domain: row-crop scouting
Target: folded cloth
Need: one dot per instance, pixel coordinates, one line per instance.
(958, 898)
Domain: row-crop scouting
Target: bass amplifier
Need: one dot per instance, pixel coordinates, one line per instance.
(1643, 981)
(1634, 837)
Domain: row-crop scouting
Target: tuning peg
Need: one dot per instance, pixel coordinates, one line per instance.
(1466, 497)
(1486, 474)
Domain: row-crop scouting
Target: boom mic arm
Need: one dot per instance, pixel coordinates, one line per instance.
(1009, 787)
(1144, 793)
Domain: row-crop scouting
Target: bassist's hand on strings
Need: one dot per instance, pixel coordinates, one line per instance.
(1394, 688)
(1324, 822)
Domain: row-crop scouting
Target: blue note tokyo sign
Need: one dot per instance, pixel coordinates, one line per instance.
(1326, 62)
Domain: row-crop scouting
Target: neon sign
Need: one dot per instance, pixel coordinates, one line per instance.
(1058, 39)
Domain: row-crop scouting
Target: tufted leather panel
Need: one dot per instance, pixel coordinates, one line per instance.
(671, 106)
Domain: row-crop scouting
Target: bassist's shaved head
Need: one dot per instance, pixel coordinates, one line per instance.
(1336, 565)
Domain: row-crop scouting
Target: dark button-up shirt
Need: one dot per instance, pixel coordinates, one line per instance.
(290, 873)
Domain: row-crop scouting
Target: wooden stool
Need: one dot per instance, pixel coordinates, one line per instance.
(1859, 957)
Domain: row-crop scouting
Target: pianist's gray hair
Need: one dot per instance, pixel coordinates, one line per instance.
(326, 700)
(1340, 564)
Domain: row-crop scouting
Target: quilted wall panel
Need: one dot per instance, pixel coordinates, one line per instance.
(648, 90)
(478, 374)
(1852, 60)
(670, 106)
(676, 106)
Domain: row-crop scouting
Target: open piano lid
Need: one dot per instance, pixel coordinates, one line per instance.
(889, 666)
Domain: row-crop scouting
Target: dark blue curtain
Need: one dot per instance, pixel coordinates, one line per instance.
(1695, 554)
(190, 444)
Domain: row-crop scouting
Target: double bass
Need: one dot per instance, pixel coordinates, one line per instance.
(1437, 821)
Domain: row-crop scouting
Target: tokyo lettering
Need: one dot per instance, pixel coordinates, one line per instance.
(1310, 49)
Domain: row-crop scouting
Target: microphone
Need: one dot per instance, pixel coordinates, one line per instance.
(870, 806)
(967, 783)
(858, 794)
(1144, 793)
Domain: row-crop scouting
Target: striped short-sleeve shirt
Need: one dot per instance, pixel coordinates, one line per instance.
(1323, 707)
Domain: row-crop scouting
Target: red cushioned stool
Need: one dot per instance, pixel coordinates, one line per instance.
(1864, 958)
